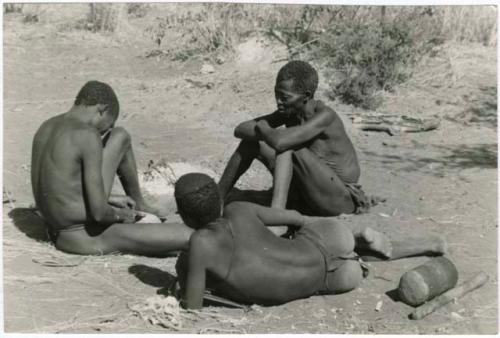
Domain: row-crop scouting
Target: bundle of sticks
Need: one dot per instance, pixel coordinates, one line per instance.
(394, 124)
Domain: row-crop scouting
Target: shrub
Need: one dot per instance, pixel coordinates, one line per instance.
(366, 59)
(105, 17)
(12, 8)
(138, 10)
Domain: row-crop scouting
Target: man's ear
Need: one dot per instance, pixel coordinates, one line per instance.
(102, 108)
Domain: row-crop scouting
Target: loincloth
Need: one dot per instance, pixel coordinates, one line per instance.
(331, 262)
(361, 202)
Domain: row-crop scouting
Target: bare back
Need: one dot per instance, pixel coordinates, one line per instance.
(56, 172)
(265, 268)
(334, 146)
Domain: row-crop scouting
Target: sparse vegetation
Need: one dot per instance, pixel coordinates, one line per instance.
(365, 59)
(12, 8)
(106, 17)
(365, 49)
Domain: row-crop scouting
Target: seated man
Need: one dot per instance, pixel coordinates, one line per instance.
(75, 158)
(237, 257)
(313, 161)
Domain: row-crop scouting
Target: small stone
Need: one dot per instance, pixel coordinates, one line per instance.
(207, 69)
(378, 307)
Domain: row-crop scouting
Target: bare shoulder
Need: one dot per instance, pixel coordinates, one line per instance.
(45, 129)
(85, 136)
(321, 107)
(203, 241)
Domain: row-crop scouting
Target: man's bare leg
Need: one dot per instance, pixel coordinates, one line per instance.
(432, 245)
(283, 171)
(118, 158)
(241, 160)
(282, 177)
(159, 240)
(238, 164)
(321, 187)
(370, 240)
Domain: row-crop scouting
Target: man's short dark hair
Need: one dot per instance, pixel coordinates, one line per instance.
(304, 76)
(197, 196)
(95, 92)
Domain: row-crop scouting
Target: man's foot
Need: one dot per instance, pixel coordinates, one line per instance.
(375, 241)
(438, 244)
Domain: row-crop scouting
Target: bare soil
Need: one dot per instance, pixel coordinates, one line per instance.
(441, 182)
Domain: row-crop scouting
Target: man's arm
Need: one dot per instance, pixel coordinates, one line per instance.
(196, 276)
(288, 138)
(277, 217)
(89, 143)
(246, 130)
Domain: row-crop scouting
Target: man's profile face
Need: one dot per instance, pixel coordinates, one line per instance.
(105, 123)
(287, 99)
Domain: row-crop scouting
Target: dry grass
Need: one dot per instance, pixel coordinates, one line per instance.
(208, 28)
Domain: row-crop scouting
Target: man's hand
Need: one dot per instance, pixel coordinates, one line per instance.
(123, 202)
(129, 215)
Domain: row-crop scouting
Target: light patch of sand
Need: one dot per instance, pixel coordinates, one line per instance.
(158, 181)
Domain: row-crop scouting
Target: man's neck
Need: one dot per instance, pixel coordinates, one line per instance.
(80, 113)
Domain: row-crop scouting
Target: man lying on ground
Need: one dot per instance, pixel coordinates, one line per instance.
(75, 158)
(313, 161)
(235, 255)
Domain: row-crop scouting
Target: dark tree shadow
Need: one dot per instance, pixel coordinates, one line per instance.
(154, 277)
(29, 222)
(458, 157)
(482, 108)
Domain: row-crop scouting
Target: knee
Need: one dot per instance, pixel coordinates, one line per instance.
(120, 135)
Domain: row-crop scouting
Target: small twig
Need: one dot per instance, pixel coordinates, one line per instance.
(303, 44)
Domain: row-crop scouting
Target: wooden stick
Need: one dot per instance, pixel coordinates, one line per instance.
(449, 296)
(374, 127)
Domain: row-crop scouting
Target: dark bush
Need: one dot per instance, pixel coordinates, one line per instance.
(366, 59)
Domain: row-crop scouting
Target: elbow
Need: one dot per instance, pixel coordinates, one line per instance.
(239, 131)
(279, 146)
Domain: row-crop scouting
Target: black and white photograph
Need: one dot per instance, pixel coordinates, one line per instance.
(250, 168)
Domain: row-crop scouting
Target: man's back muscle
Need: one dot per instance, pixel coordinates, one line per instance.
(56, 172)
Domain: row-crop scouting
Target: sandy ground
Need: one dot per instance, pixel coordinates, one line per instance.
(440, 182)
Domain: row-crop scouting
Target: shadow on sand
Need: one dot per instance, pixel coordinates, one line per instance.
(30, 223)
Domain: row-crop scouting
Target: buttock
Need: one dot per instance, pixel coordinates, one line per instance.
(54, 233)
